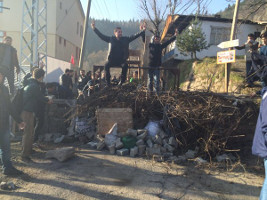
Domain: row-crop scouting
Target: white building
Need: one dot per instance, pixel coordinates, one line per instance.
(65, 19)
(216, 30)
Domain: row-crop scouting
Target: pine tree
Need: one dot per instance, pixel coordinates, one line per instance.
(192, 40)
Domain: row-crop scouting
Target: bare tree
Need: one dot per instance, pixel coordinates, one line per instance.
(157, 10)
(253, 8)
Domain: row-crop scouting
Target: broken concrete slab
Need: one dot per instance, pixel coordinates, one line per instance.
(132, 132)
(122, 152)
(134, 151)
(162, 134)
(7, 186)
(169, 147)
(101, 145)
(153, 151)
(157, 139)
(149, 143)
(92, 145)
(140, 142)
(200, 160)
(59, 140)
(112, 149)
(190, 154)
(141, 150)
(118, 144)
(142, 136)
(61, 154)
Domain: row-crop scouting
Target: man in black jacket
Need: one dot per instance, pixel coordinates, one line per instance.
(9, 60)
(155, 53)
(6, 109)
(32, 100)
(118, 50)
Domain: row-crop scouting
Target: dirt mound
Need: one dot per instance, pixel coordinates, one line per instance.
(213, 122)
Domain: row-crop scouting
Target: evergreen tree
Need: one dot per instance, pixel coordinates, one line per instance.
(192, 40)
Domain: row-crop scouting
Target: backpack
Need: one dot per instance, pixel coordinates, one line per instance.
(17, 100)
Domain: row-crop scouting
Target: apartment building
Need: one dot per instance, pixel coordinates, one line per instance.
(65, 21)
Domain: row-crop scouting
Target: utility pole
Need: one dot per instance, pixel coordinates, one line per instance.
(84, 34)
(232, 37)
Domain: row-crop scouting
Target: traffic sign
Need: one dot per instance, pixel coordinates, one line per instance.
(226, 57)
(228, 44)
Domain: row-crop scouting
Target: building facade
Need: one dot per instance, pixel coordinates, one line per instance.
(65, 21)
(216, 30)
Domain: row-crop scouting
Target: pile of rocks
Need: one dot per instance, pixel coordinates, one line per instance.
(160, 146)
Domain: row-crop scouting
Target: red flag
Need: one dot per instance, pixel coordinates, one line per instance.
(72, 60)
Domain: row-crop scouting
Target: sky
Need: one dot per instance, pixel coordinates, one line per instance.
(119, 10)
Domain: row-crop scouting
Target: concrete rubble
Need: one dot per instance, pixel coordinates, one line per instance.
(7, 186)
(61, 154)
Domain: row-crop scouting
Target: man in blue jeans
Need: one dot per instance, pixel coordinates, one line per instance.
(259, 147)
(6, 109)
(155, 54)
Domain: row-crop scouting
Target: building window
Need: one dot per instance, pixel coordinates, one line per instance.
(219, 34)
(1, 6)
(81, 31)
(2, 35)
(65, 42)
(60, 5)
(78, 25)
(60, 40)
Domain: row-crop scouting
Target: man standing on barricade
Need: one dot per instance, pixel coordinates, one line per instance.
(118, 50)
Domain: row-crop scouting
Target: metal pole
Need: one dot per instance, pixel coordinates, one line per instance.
(232, 37)
(84, 34)
(36, 27)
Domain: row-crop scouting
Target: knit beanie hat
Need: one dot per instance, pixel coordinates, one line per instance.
(38, 73)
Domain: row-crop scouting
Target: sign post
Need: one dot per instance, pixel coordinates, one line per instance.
(226, 57)
(230, 44)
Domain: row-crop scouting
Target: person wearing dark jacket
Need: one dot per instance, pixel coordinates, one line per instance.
(32, 99)
(259, 146)
(9, 61)
(155, 53)
(251, 46)
(66, 82)
(6, 109)
(118, 50)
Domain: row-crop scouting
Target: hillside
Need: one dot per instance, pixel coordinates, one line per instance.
(255, 10)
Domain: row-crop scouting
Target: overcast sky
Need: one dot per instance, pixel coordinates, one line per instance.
(129, 9)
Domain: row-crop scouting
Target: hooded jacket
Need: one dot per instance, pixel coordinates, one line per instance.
(119, 49)
(259, 146)
(33, 98)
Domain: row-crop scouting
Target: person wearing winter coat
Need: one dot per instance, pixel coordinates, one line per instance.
(155, 54)
(7, 109)
(259, 146)
(118, 50)
(32, 99)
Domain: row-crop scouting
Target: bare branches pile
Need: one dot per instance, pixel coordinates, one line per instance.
(212, 122)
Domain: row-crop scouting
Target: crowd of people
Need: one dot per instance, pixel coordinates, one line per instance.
(256, 58)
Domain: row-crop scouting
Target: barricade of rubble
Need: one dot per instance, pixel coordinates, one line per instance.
(207, 123)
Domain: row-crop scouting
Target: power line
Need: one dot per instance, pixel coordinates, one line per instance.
(117, 11)
(106, 9)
